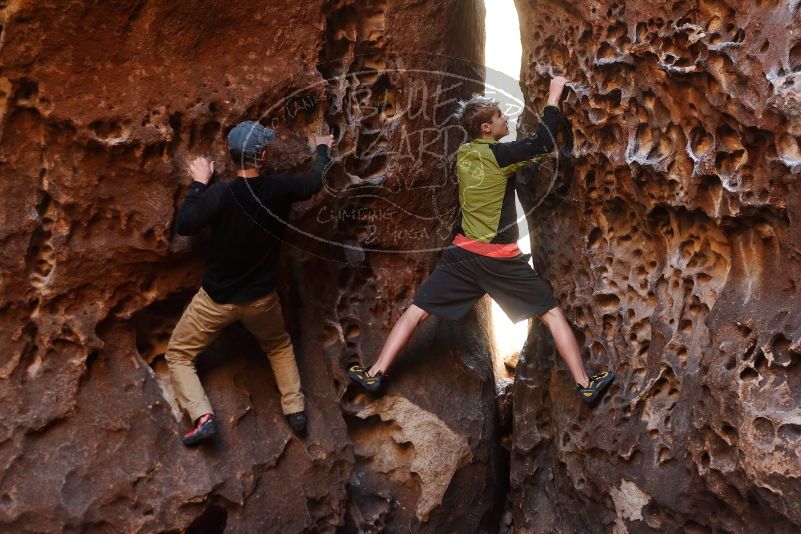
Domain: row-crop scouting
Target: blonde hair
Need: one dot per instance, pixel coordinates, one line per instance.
(472, 113)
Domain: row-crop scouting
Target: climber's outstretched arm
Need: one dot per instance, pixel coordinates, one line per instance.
(540, 142)
(201, 204)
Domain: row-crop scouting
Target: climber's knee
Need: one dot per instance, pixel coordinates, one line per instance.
(416, 314)
(178, 358)
(552, 316)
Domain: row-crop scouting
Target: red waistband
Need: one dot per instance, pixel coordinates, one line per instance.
(493, 250)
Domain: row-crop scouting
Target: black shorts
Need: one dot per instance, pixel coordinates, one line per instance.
(463, 277)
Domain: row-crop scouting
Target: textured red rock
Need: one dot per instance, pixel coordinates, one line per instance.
(671, 241)
(100, 107)
(670, 238)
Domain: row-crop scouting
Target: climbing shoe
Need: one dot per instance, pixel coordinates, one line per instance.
(297, 421)
(598, 383)
(371, 384)
(206, 427)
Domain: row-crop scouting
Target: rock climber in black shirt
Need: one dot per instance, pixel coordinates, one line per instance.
(246, 216)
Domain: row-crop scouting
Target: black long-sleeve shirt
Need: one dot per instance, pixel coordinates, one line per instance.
(247, 218)
(536, 144)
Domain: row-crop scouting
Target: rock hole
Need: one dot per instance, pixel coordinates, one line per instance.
(352, 331)
(705, 460)
(763, 427)
(729, 432)
(748, 375)
(595, 239)
(90, 363)
(795, 57)
(760, 361)
(789, 149)
(789, 432)
(608, 301)
(700, 140)
(780, 351)
(731, 363)
(107, 129)
(213, 520)
(26, 90)
(40, 257)
(175, 125)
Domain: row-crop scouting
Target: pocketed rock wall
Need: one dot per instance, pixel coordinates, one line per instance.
(100, 106)
(672, 242)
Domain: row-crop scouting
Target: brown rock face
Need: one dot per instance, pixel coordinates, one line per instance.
(671, 239)
(670, 236)
(100, 108)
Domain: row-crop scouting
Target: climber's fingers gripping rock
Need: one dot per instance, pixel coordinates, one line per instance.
(327, 140)
(555, 90)
(201, 169)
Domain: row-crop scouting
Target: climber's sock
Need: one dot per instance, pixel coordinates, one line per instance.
(596, 387)
(206, 428)
(372, 384)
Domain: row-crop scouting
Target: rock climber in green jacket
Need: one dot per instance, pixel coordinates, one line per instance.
(484, 256)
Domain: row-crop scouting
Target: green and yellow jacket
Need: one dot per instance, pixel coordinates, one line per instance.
(486, 171)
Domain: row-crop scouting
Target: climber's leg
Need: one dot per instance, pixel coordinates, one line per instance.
(199, 325)
(522, 294)
(590, 388)
(566, 344)
(265, 320)
(449, 292)
(371, 380)
(398, 337)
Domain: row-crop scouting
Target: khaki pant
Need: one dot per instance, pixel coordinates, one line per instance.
(202, 322)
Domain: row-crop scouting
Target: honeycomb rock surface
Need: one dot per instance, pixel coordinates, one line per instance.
(671, 240)
(100, 108)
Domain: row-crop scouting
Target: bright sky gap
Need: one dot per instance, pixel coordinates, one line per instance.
(502, 54)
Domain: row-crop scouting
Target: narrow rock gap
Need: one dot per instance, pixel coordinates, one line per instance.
(502, 57)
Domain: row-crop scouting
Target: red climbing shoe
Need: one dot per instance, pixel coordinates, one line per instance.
(205, 428)
(297, 421)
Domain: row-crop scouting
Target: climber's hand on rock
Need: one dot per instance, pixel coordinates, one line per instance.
(201, 169)
(555, 90)
(326, 140)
